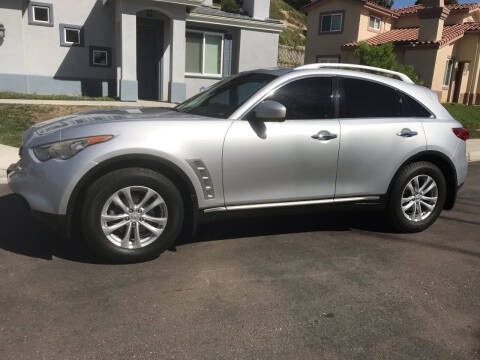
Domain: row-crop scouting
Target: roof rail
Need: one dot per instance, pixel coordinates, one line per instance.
(315, 66)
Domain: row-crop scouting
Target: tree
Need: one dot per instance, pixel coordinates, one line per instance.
(383, 56)
(384, 3)
(230, 5)
(447, 2)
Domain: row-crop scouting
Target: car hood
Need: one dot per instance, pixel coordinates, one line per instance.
(53, 128)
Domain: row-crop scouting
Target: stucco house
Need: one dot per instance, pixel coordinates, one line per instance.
(442, 42)
(150, 49)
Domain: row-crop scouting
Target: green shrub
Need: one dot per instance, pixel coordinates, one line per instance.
(383, 56)
(230, 5)
(291, 37)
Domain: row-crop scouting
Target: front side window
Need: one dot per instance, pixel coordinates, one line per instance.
(223, 98)
(203, 55)
(448, 72)
(374, 23)
(367, 99)
(331, 22)
(308, 98)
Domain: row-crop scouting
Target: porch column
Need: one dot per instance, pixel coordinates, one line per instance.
(177, 88)
(128, 56)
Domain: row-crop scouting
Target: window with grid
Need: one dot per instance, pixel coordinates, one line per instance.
(331, 22)
(204, 53)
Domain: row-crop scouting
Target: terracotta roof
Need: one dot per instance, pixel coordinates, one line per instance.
(409, 36)
(413, 9)
(367, 3)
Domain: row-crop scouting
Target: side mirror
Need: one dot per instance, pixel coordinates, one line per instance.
(269, 110)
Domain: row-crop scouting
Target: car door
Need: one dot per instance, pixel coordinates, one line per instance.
(271, 162)
(380, 130)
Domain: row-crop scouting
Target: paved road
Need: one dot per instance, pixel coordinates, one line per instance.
(317, 286)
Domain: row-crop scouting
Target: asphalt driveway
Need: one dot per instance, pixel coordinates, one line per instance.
(316, 286)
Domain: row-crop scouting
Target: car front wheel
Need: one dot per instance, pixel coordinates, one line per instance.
(417, 197)
(132, 215)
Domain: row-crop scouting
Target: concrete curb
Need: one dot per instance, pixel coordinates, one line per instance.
(473, 150)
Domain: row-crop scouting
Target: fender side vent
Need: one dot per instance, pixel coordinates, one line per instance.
(203, 176)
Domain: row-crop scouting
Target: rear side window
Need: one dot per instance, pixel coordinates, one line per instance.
(367, 99)
(412, 108)
(308, 98)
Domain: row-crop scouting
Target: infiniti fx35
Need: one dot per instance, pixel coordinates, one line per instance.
(131, 180)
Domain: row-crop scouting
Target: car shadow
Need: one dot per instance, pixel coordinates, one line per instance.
(23, 234)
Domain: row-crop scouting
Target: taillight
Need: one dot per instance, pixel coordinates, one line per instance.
(461, 133)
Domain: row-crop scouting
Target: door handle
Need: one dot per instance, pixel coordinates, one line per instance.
(324, 135)
(407, 133)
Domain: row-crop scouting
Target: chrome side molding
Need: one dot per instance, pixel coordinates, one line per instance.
(291, 203)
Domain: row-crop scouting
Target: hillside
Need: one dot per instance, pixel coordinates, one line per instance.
(294, 20)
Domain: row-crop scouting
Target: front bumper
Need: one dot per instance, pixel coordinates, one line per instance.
(46, 186)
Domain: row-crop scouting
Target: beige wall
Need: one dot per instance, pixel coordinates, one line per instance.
(423, 60)
(330, 44)
(364, 31)
(459, 18)
(406, 21)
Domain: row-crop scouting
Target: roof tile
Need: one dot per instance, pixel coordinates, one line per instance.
(409, 36)
(413, 9)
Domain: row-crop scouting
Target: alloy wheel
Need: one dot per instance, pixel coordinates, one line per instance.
(134, 217)
(419, 198)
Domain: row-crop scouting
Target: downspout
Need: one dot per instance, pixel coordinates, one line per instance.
(471, 85)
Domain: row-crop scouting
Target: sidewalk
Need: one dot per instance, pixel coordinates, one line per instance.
(9, 155)
(89, 103)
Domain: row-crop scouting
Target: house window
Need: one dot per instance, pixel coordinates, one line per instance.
(100, 56)
(204, 53)
(40, 14)
(71, 35)
(331, 22)
(448, 72)
(374, 23)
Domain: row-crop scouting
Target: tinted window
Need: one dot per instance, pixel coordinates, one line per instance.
(308, 98)
(412, 108)
(223, 98)
(362, 98)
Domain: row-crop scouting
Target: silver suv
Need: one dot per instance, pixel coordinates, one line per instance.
(130, 180)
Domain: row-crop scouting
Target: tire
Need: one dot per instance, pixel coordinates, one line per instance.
(414, 220)
(100, 206)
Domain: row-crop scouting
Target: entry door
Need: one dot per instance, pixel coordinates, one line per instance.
(458, 81)
(267, 162)
(149, 55)
(381, 128)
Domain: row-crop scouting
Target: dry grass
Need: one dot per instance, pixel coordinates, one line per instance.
(16, 118)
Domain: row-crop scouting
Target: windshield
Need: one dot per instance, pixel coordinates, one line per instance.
(223, 98)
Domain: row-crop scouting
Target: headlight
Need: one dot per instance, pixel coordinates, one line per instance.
(66, 149)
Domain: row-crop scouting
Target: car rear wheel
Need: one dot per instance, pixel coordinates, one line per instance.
(417, 197)
(132, 215)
